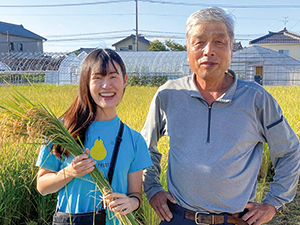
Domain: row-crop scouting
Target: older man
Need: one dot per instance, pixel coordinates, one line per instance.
(217, 125)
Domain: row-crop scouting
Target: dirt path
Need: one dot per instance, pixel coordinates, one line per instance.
(291, 215)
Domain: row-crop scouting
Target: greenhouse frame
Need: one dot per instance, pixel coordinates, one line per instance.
(253, 63)
(266, 66)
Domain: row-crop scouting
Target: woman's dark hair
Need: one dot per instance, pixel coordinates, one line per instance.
(83, 110)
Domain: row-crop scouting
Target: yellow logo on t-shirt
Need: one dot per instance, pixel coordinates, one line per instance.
(98, 152)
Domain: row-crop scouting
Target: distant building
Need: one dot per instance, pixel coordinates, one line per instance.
(237, 46)
(129, 44)
(86, 50)
(266, 66)
(284, 42)
(15, 38)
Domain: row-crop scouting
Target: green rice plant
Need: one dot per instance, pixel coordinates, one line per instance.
(134, 106)
(25, 119)
(133, 111)
(288, 98)
(16, 174)
(265, 174)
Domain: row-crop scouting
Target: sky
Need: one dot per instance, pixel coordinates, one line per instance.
(72, 24)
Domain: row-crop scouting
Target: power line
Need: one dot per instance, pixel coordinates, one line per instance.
(64, 5)
(87, 34)
(145, 33)
(153, 1)
(84, 39)
(131, 14)
(221, 5)
(65, 15)
(164, 32)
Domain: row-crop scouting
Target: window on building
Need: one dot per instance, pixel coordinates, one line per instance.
(285, 52)
(133, 40)
(11, 46)
(129, 47)
(123, 49)
(20, 47)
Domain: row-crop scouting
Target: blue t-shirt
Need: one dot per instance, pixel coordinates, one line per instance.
(81, 194)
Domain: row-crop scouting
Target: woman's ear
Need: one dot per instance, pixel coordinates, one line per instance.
(125, 79)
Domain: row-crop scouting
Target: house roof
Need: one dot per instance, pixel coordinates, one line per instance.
(87, 50)
(140, 38)
(237, 46)
(282, 37)
(258, 54)
(18, 30)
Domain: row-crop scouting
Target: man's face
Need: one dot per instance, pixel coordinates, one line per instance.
(209, 50)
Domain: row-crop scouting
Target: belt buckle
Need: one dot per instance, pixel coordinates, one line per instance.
(199, 223)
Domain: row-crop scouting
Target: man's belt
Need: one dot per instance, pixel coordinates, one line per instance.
(203, 219)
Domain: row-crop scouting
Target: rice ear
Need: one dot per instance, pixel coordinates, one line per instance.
(26, 121)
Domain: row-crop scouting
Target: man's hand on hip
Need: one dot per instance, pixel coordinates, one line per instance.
(159, 204)
(259, 213)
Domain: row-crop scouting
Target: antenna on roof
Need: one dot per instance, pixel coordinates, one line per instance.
(285, 21)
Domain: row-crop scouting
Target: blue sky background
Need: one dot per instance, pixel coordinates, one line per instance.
(104, 22)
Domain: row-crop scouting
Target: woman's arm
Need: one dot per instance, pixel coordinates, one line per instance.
(127, 203)
(50, 182)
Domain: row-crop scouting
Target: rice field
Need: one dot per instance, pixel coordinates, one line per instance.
(20, 203)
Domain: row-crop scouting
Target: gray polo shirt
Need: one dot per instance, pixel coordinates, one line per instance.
(215, 151)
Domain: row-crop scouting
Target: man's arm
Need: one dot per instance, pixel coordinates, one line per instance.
(285, 155)
(152, 131)
(284, 150)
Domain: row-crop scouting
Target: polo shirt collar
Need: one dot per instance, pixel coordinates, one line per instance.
(226, 97)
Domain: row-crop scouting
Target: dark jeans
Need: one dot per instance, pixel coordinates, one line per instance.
(178, 216)
(60, 218)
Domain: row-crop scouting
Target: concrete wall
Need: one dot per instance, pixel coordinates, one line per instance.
(28, 44)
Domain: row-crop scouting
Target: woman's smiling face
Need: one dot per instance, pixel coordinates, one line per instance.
(107, 89)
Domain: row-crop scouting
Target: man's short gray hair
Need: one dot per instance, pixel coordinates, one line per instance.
(211, 14)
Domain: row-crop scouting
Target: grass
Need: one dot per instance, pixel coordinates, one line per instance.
(20, 203)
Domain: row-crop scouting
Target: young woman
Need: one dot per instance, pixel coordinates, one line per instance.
(93, 118)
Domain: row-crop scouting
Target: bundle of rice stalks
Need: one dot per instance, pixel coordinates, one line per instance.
(26, 122)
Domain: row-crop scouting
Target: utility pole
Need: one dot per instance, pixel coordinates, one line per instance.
(136, 26)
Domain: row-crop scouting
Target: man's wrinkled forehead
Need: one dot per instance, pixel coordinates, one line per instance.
(201, 30)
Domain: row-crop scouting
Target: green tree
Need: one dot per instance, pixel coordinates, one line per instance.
(168, 45)
(173, 46)
(157, 46)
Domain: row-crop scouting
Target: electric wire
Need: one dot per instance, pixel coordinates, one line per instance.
(64, 5)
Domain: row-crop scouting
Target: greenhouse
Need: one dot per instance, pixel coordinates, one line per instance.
(263, 65)
(68, 71)
(266, 66)
(142, 67)
(62, 68)
(157, 63)
(27, 61)
(22, 67)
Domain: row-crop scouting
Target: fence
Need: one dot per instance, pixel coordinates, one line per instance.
(21, 78)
